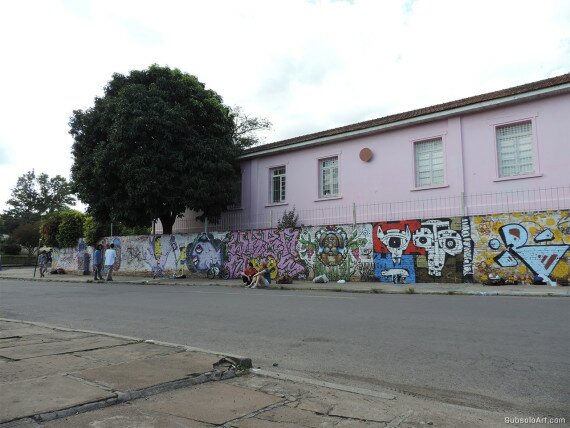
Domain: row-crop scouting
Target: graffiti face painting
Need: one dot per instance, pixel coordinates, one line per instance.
(332, 246)
(438, 240)
(204, 253)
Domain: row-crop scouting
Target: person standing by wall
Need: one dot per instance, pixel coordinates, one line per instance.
(110, 257)
(42, 261)
(97, 263)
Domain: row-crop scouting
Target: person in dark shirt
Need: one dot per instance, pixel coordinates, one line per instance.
(97, 263)
(247, 274)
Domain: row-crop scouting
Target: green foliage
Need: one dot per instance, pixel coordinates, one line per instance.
(134, 231)
(156, 143)
(49, 228)
(410, 290)
(289, 220)
(246, 128)
(27, 235)
(35, 196)
(70, 229)
(11, 248)
(93, 231)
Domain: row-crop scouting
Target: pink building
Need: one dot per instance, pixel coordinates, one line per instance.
(504, 151)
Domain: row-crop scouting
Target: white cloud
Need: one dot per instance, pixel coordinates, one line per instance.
(305, 65)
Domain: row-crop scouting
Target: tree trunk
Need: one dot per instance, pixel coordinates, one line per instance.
(167, 221)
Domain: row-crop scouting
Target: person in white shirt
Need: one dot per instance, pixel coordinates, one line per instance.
(110, 257)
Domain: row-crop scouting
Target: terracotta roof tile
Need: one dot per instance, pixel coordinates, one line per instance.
(528, 87)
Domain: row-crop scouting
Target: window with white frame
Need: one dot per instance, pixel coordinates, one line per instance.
(328, 177)
(429, 162)
(514, 149)
(278, 185)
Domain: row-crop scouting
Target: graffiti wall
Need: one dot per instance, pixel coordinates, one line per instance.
(460, 249)
(276, 247)
(435, 250)
(339, 252)
(522, 245)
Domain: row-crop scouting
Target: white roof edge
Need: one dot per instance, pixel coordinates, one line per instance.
(411, 121)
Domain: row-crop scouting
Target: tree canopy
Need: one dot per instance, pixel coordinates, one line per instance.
(27, 235)
(36, 196)
(157, 142)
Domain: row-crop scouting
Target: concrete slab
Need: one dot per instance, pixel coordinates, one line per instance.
(30, 368)
(287, 416)
(31, 397)
(361, 408)
(52, 336)
(126, 415)
(151, 371)
(126, 353)
(60, 347)
(22, 423)
(23, 330)
(213, 403)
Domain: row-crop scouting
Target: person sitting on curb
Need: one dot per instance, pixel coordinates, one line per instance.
(261, 278)
(247, 274)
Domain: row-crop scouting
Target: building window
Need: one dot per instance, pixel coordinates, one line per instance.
(429, 162)
(278, 185)
(328, 177)
(514, 149)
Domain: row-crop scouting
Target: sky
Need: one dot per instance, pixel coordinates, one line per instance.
(306, 65)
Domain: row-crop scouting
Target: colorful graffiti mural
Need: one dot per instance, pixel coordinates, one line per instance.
(519, 246)
(276, 247)
(204, 253)
(422, 251)
(339, 252)
(460, 249)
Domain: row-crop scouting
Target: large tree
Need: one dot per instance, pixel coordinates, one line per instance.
(157, 142)
(28, 236)
(36, 196)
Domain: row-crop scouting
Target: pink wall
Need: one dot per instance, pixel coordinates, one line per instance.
(470, 162)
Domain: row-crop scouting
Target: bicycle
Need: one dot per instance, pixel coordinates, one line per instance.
(216, 271)
(157, 272)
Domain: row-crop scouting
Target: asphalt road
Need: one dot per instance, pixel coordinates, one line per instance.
(499, 353)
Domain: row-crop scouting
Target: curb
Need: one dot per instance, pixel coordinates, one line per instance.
(371, 290)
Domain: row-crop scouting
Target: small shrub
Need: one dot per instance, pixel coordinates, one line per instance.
(11, 248)
(289, 220)
(410, 290)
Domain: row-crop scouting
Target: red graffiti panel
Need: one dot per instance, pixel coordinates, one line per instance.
(394, 233)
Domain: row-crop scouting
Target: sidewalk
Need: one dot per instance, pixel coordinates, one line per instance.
(56, 377)
(357, 287)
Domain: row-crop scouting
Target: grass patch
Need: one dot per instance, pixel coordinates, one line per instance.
(451, 293)
(410, 290)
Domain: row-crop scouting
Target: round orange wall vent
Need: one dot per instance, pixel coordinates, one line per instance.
(365, 154)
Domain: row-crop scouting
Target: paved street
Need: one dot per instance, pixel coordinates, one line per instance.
(501, 353)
